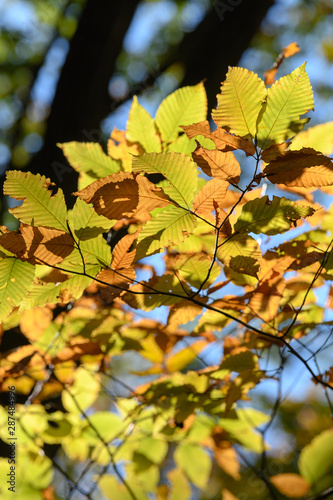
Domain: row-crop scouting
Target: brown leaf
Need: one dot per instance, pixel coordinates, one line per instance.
(38, 245)
(273, 152)
(118, 280)
(213, 190)
(288, 51)
(122, 195)
(291, 485)
(222, 139)
(217, 164)
(305, 168)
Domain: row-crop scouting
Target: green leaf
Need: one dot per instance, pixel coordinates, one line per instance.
(241, 253)
(141, 128)
(241, 427)
(39, 207)
(194, 462)
(171, 226)
(89, 157)
(86, 222)
(288, 99)
(16, 279)
(183, 107)
(240, 102)
(107, 424)
(316, 461)
(153, 449)
(52, 293)
(270, 217)
(179, 170)
(319, 138)
(194, 268)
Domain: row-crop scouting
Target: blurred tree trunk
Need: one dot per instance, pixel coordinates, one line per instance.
(82, 101)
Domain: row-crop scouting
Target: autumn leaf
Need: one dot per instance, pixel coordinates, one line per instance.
(291, 485)
(38, 245)
(214, 190)
(222, 139)
(270, 216)
(305, 168)
(123, 195)
(179, 171)
(169, 227)
(241, 253)
(218, 164)
(288, 51)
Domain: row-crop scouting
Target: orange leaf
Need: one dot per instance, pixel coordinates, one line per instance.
(305, 168)
(217, 164)
(121, 257)
(288, 51)
(38, 245)
(222, 139)
(213, 190)
(123, 195)
(227, 460)
(291, 485)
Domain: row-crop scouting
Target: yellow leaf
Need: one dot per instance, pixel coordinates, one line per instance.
(240, 102)
(185, 356)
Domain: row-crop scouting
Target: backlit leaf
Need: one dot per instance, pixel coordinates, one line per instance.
(178, 169)
(220, 137)
(240, 252)
(316, 461)
(319, 138)
(194, 269)
(141, 128)
(288, 99)
(195, 463)
(169, 227)
(86, 222)
(263, 215)
(16, 279)
(123, 195)
(39, 207)
(218, 164)
(89, 157)
(305, 168)
(183, 107)
(38, 245)
(240, 101)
